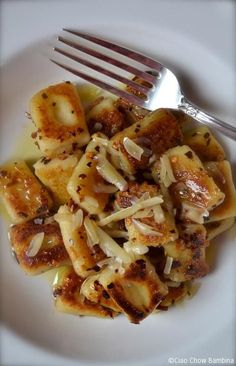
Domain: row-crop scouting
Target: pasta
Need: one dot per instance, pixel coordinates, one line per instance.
(123, 203)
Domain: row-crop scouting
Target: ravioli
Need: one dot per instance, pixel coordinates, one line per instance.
(21, 193)
(84, 257)
(105, 117)
(156, 133)
(221, 173)
(137, 292)
(66, 291)
(83, 184)
(55, 173)
(59, 117)
(176, 293)
(52, 252)
(215, 228)
(125, 215)
(95, 292)
(192, 182)
(165, 229)
(204, 144)
(187, 254)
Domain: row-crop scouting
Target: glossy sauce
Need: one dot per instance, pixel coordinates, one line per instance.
(26, 149)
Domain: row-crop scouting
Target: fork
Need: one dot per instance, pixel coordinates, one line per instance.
(160, 90)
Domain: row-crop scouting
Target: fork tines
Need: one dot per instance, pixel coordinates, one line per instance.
(141, 90)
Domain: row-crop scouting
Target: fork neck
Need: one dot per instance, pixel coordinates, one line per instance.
(192, 110)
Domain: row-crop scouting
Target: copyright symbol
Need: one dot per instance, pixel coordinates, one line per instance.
(170, 360)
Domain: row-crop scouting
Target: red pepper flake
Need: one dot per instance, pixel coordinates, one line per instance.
(79, 129)
(45, 160)
(189, 154)
(22, 214)
(96, 283)
(42, 209)
(74, 146)
(3, 173)
(28, 115)
(92, 217)
(175, 264)
(57, 292)
(162, 307)
(72, 206)
(96, 268)
(105, 295)
(206, 135)
(44, 96)
(15, 256)
(82, 176)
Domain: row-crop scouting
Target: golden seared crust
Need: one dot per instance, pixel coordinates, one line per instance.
(83, 183)
(84, 257)
(68, 298)
(175, 294)
(137, 292)
(55, 173)
(194, 235)
(22, 194)
(156, 256)
(188, 254)
(167, 231)
(221, 173)
(167, 228)
(95, 292)
(188, 264)
(131, 112)
(204, 144)
(158, 131)
(193, 184)
(59, 117)
(135, 190)
(105, 117)
(216, 228)
(52, 252)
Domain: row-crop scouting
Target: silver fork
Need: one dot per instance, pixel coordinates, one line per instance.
(163, 90)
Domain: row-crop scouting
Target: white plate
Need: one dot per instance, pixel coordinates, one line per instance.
(187, 38)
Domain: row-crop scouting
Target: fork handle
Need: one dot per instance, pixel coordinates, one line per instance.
(192, 110)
